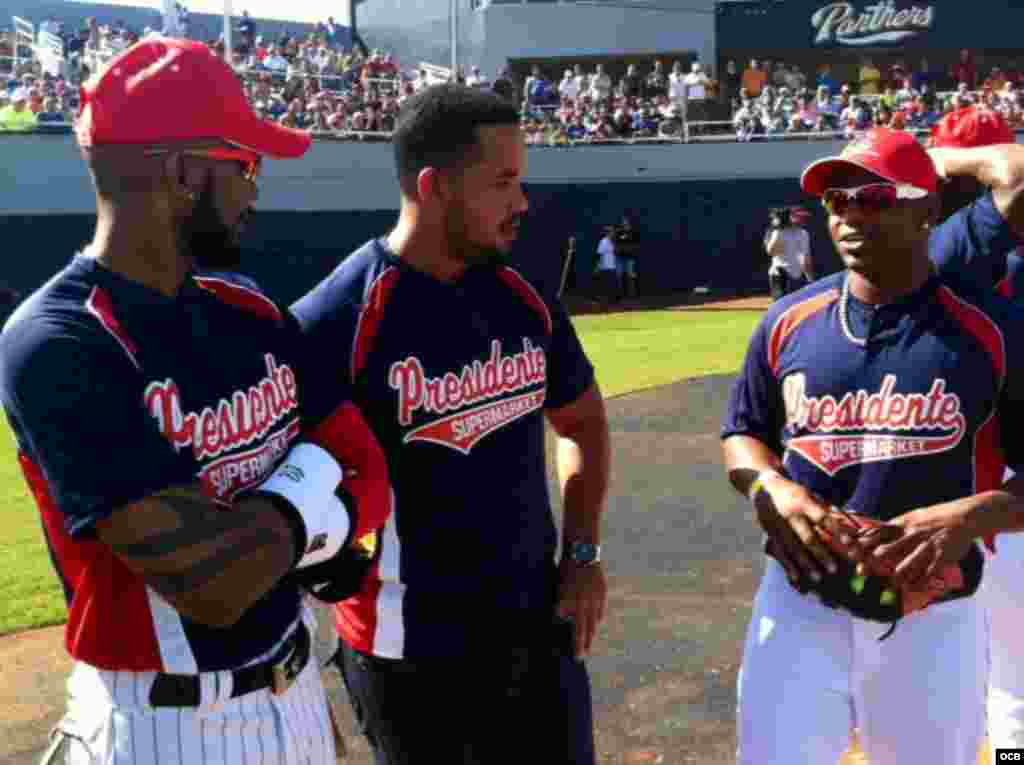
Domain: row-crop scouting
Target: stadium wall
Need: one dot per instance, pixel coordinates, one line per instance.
(498, 32)
(702, 209)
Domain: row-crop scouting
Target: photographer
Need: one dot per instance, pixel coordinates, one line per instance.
(789, 248)
(627, 252)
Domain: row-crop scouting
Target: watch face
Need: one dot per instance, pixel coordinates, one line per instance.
(585, 553)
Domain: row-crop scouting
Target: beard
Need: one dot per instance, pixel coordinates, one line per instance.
(465, 248)
(207, 240)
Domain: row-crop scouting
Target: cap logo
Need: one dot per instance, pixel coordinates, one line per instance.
(861, 147)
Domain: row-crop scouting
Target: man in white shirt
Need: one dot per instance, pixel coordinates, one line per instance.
(582, 81)
(606, 273)
(677, 88)
(789, 248)
(696, 83)
(600, 85)
(569, 87)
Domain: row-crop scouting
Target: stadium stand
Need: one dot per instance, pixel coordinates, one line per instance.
(317, 80)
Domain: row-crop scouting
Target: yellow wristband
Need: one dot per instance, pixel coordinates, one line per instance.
(758, 484)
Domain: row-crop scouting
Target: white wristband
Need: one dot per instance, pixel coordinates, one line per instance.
(307, 479)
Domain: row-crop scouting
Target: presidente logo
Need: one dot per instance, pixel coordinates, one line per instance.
(881, 22)
(246, 417)
(469, 395)
(862, 427)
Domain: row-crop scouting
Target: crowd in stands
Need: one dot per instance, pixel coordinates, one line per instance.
(773, 98)
(591, 107)
(323, 83)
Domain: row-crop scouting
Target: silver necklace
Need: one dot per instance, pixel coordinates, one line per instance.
(844, 321)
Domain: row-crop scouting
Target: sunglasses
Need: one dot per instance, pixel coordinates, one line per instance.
(873, 198)
(251, 162)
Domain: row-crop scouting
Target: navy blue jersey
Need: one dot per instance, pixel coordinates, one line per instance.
(453, 380)
(926, 412)
(970, 247)
(115, 392)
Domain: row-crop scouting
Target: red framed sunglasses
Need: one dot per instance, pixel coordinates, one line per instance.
(251, 162)
(872, 198)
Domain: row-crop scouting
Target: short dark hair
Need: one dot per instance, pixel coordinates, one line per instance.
(437, 127)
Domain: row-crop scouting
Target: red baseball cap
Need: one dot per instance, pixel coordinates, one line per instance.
(894, 155)
(972, 126)
(167, 91)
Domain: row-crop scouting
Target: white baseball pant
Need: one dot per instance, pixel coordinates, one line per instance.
(812, 674)
(1002, 590)
(109, 721)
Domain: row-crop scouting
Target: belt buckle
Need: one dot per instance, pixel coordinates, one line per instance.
(283, 673)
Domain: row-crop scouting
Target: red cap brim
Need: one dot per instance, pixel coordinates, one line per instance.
(270, 139)
(816, 178)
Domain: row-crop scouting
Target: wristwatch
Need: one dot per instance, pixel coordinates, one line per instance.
(585, 554)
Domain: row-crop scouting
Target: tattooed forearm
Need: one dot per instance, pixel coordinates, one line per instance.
(210, 563)
(250, 542)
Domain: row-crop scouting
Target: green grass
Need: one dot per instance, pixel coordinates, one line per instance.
(30, 595)
(630, 351)
(633, 351)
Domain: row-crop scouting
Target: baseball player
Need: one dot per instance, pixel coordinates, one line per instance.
(880, 390)
(188, 486)
(991, 178)
(467, 641)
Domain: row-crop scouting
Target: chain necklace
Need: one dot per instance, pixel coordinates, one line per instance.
(844, 321)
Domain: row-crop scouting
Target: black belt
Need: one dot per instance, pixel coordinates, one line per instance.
(277, 673)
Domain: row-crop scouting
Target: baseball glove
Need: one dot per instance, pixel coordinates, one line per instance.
(868, 593)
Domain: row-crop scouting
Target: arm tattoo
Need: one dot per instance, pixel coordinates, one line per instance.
(192, 552)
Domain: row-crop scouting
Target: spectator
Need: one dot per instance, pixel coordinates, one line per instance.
(644, 123)
(696, 83)
(50, 113)
(671, 124)
(796, 125)
(17, 117)
(808, 113)
(296, 116)
(778, 75)
(606, 271)
(576, 131)
(870, 78)
(656, 83)
(338, 119)
(826, 80)
(923, 78)
(677, 88)
(754, 79)
(731, 82)
(965, 71)
(332, 30)
(569, 87)
(632, 84)
(503, 85)
(247, 32)
(423, 80)
(477, 80)
(747, 120)
(600, 85)
(274, 61)
(795, 79)
(538, 90)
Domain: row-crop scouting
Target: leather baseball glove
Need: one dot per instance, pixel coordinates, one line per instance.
(867, 591)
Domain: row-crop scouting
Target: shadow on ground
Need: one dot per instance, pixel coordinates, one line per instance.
(683, 563)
